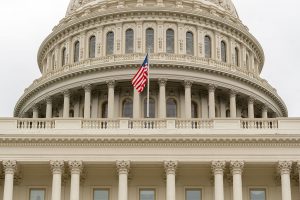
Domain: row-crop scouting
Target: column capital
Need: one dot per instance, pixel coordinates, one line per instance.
(170, 167)
(251, 100)
(66, 93)
(212, 87)
(57, 166)
(285, 167)
(188, 83)
(162, 82)
(265, 108)
(233, 93)
(218, 167)
(87, 87)
(111, 83)
(237, 167)
(123, 166)
(9, 166)
(35, 107)
(76, 167)
(48, 100)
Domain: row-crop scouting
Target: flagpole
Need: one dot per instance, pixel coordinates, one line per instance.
(148, 86)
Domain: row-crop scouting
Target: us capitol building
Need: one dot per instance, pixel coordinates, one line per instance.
(217, 130)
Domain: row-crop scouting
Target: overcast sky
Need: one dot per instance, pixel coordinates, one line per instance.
(24, 25)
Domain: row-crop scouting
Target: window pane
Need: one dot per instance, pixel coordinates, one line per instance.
(37, 194)
(150, 40)
(129, 41)
(76, 51)
(193, 194)
(257, 195)
(92, 47)
(194, 110)
(171, 108)
(104, 110)
(223, 51)
(63, 56)
(127, 108)
(170, 41)
(207, 47)
(147, 195)
(110, 43)
(236, 56)
(101, 194)
(151, 108)
(189, 43)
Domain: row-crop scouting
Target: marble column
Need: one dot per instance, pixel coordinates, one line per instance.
(57, 168)
(136, 104)
(49, 108)
(251, 108)
(10, 167)
(285, 168)
(66, 112)
(233, 104)
(237, 170)
(170, 169)
(75, 169)
(188, 99)
(162, 98)
(264, 112)
(211, 101)
(35, 111)
(123, 168)
(218, 171)
(111, 98)
(87, 101)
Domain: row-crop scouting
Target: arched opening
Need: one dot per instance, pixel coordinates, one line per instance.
(151, 108)
(171, 108)
(63, 56)
(104, 110)
(76, 51)
(150, 40)
(207, 42)
(223, 52)
(127, 110)
(170, 41)
(110, 38)
(129, 37)
(194, 110)
(92, 47)
(189, 43)
(237, 56)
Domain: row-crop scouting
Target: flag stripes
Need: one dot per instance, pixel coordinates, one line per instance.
(140, 79)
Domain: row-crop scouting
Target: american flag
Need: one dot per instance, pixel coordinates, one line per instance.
(140, 79)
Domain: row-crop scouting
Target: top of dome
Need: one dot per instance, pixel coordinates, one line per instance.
(226, 5)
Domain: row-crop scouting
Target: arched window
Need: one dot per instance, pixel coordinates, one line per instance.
(110, 39)
(170, 41)
(129, 41)
(247, 61)
(104, 110)
(223, 52)
(92, 47)
(151, 108)
(237, 56)
(171, 108)
(53, 62)
(150, 40)
(63, 56)
(189, 43)
(207, 42)
(127, 108)
(227, 113)
(76, 51)
(194, 110)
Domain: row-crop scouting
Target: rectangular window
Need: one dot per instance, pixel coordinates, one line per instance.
(258, 194)
(37, 194)
(193, 194)
(101, 194)
(147, 194)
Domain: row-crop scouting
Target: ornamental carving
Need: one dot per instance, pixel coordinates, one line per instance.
(236, 167)
(285, 167)
(188, 84)
(218, 167)
(9, 166)
(123, 166)
(211, 88)
(162, 82)
(75, 167)
(111, 84)
(57, 166)
(87, 87)
(170, 167)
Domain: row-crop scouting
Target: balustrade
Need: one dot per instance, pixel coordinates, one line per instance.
(35, 123)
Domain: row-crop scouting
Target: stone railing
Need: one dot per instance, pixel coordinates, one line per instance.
(218, 125)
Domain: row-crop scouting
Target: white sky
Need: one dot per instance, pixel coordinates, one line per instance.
(25, 24)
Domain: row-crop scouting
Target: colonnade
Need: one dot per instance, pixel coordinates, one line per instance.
(123, 168)
(161, 102)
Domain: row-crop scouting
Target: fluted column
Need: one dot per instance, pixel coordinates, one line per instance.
(66, 112)
(211, 101)
(87, 101)
(250, 107)
(75, 169)
(123, 168)
(49, 107)
(265, 112)
(232, 104)
(111, 98)
(284, 168)
(162, 98)
(218, 170)
(237, 170)
(188, 99)
(170, 169)
(136, 104)
(10, 167)
(57, 168)
(35, 111)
